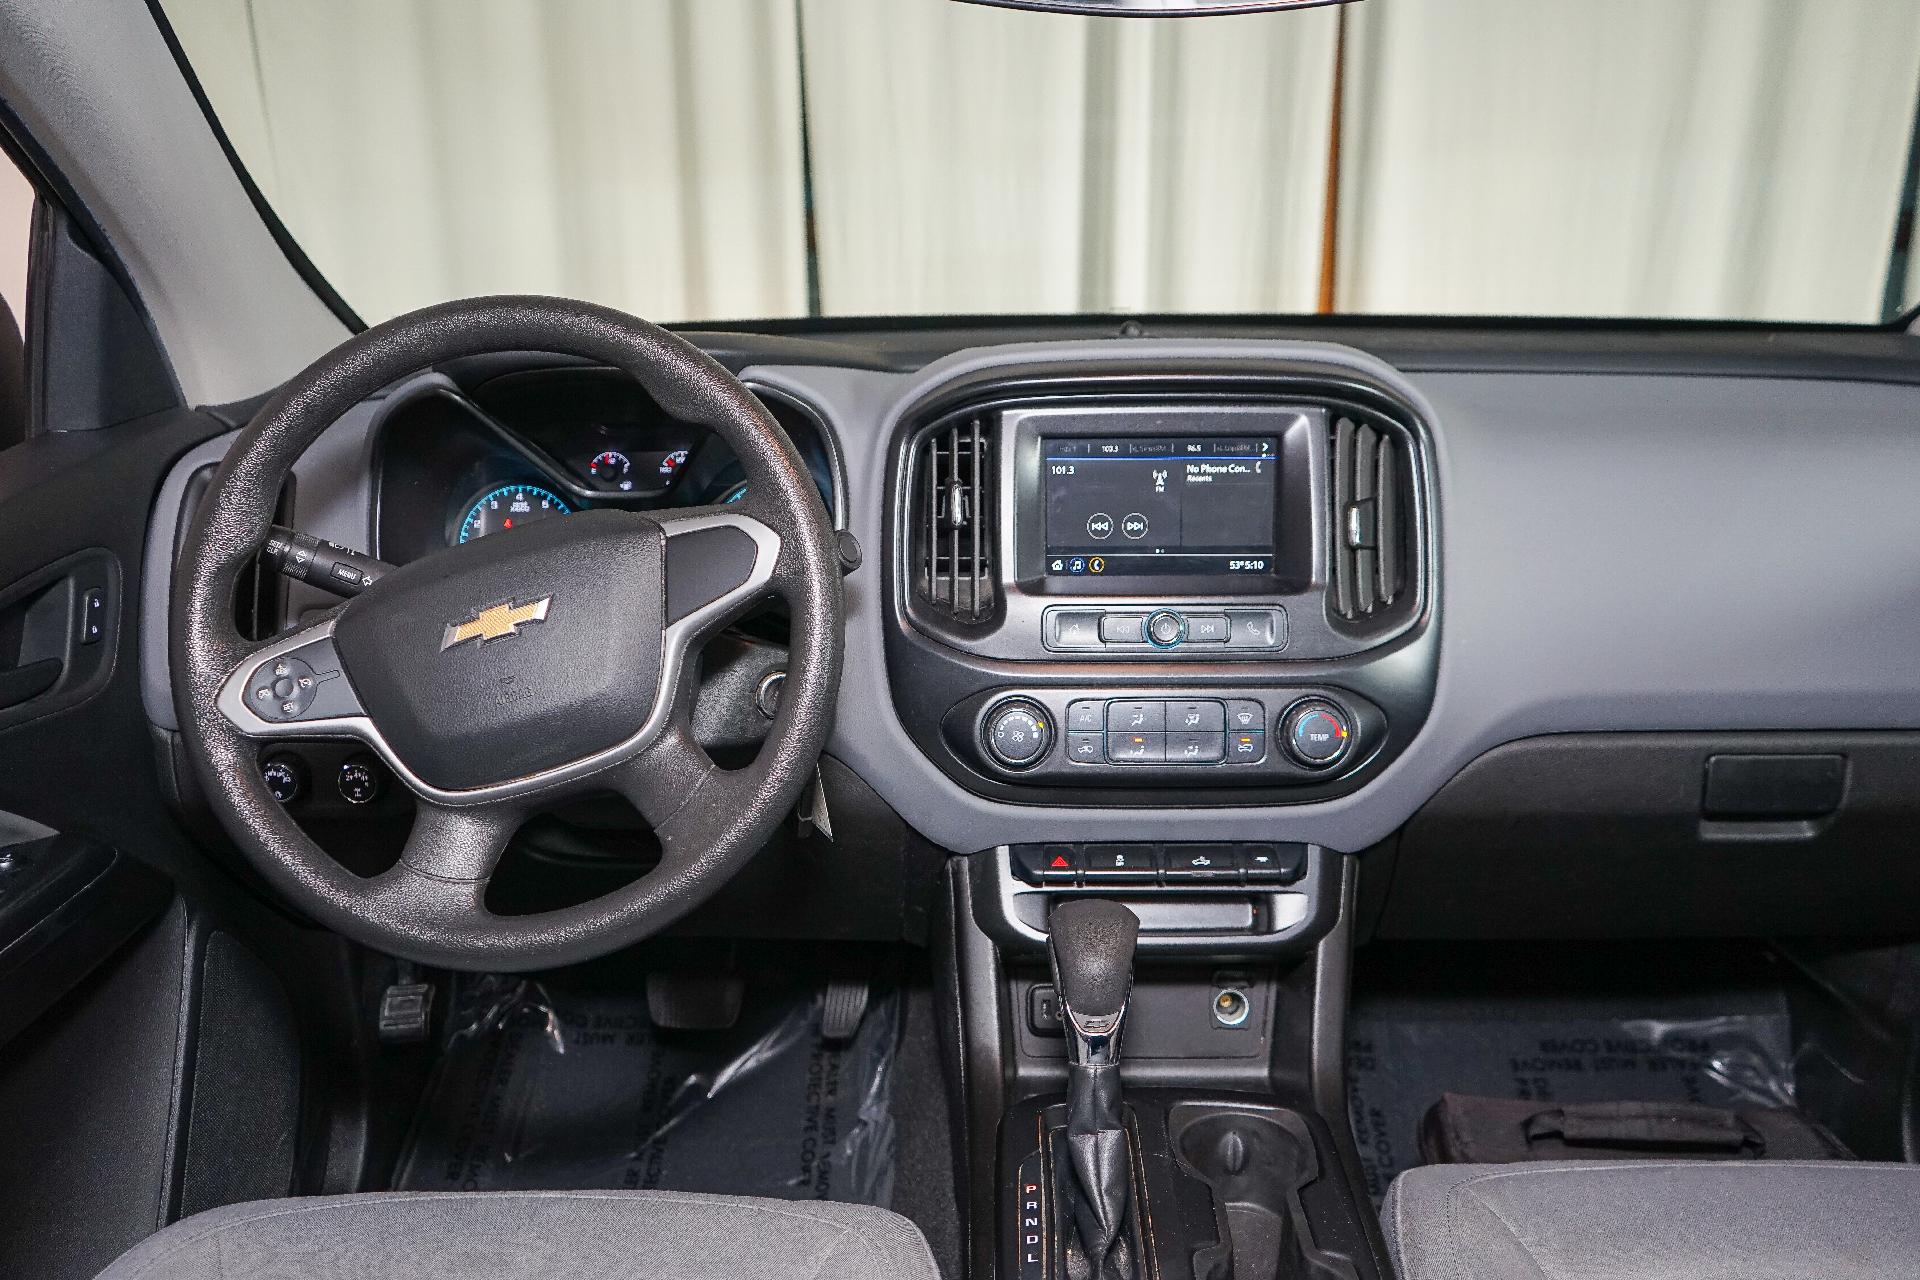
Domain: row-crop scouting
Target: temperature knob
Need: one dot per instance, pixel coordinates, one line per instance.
(1316, 733)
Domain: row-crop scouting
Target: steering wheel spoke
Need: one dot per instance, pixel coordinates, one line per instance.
(669, 782)
(293, 686)
(458, 845)
(720, 563)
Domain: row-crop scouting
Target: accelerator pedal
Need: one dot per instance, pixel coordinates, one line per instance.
(842, 1007)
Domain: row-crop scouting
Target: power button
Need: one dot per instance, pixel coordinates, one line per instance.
(1166, 628)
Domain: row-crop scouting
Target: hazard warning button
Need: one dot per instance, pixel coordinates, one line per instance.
(1048, 863)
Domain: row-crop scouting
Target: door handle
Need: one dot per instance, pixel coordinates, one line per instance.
(30, 680)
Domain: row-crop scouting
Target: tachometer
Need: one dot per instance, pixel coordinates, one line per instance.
(509, 507)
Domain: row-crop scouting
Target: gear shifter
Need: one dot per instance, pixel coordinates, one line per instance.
(1091, 946)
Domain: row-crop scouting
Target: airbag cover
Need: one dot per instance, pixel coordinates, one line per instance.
(514, 653)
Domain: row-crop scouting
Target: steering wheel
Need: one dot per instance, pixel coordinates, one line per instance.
(515, 670)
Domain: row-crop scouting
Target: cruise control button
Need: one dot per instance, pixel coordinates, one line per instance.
(1086, 748)
(1205, 717)
(1185, 746)
(1148, 717)
(1135, 748)
(283, 688)
(1204, 862)
(1246, 748)
(1207, 628)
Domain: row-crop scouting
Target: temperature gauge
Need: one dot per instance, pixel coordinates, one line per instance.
(613, 469)
(671, 463)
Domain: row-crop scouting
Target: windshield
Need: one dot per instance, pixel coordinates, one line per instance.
(706, 160)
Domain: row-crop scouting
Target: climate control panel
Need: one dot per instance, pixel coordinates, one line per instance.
(1202, 737)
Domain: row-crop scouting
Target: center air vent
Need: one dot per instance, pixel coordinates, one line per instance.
(952, 517)
(1373, 512)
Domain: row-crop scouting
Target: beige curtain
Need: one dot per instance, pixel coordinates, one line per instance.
(644, 153)
(1737, 158)
(970, 159)
(1634, 157)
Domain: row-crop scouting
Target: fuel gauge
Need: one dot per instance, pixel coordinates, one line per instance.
(612, 469)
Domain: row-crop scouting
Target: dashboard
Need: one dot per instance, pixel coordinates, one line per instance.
(1445, 600)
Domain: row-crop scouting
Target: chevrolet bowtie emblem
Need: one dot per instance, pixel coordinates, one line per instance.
(495, 622)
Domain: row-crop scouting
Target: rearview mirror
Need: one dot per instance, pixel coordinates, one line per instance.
(1158, 8)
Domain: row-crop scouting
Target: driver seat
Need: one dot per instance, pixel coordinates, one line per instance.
(524, 1235)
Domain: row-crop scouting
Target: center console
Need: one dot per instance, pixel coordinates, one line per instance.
(1109, 587)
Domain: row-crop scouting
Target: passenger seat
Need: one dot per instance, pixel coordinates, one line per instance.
(1656, 1220)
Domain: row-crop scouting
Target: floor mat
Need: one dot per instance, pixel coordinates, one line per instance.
(540, 1089)
(1402, 1054)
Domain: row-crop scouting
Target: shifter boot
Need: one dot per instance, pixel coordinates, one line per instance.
(1097, 1180)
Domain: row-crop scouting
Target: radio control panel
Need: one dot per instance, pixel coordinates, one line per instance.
(1196, 628)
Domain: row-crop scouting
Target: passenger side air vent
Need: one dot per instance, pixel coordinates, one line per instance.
(951, 513)
(1373, 516)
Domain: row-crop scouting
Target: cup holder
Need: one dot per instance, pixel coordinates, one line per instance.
(1256, 1159)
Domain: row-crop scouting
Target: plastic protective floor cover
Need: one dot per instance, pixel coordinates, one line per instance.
(540, 1089)
(1397, 1067)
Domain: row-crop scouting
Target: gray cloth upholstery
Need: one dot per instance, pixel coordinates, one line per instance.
(1656, 1220)
(581, 1235)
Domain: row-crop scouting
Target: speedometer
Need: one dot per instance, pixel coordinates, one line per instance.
(508, 507)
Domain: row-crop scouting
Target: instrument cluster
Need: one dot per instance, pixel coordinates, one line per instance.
(455, 463)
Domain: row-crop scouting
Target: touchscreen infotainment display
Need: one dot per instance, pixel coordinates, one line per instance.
(1138, 505)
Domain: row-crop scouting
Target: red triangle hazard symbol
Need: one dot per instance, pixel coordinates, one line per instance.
(1059, 860)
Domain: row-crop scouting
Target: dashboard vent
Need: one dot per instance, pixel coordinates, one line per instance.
(1373, 509)
(952, 517)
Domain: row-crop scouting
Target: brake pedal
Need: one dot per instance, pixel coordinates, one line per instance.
(694, 1001)
(842, 1007)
